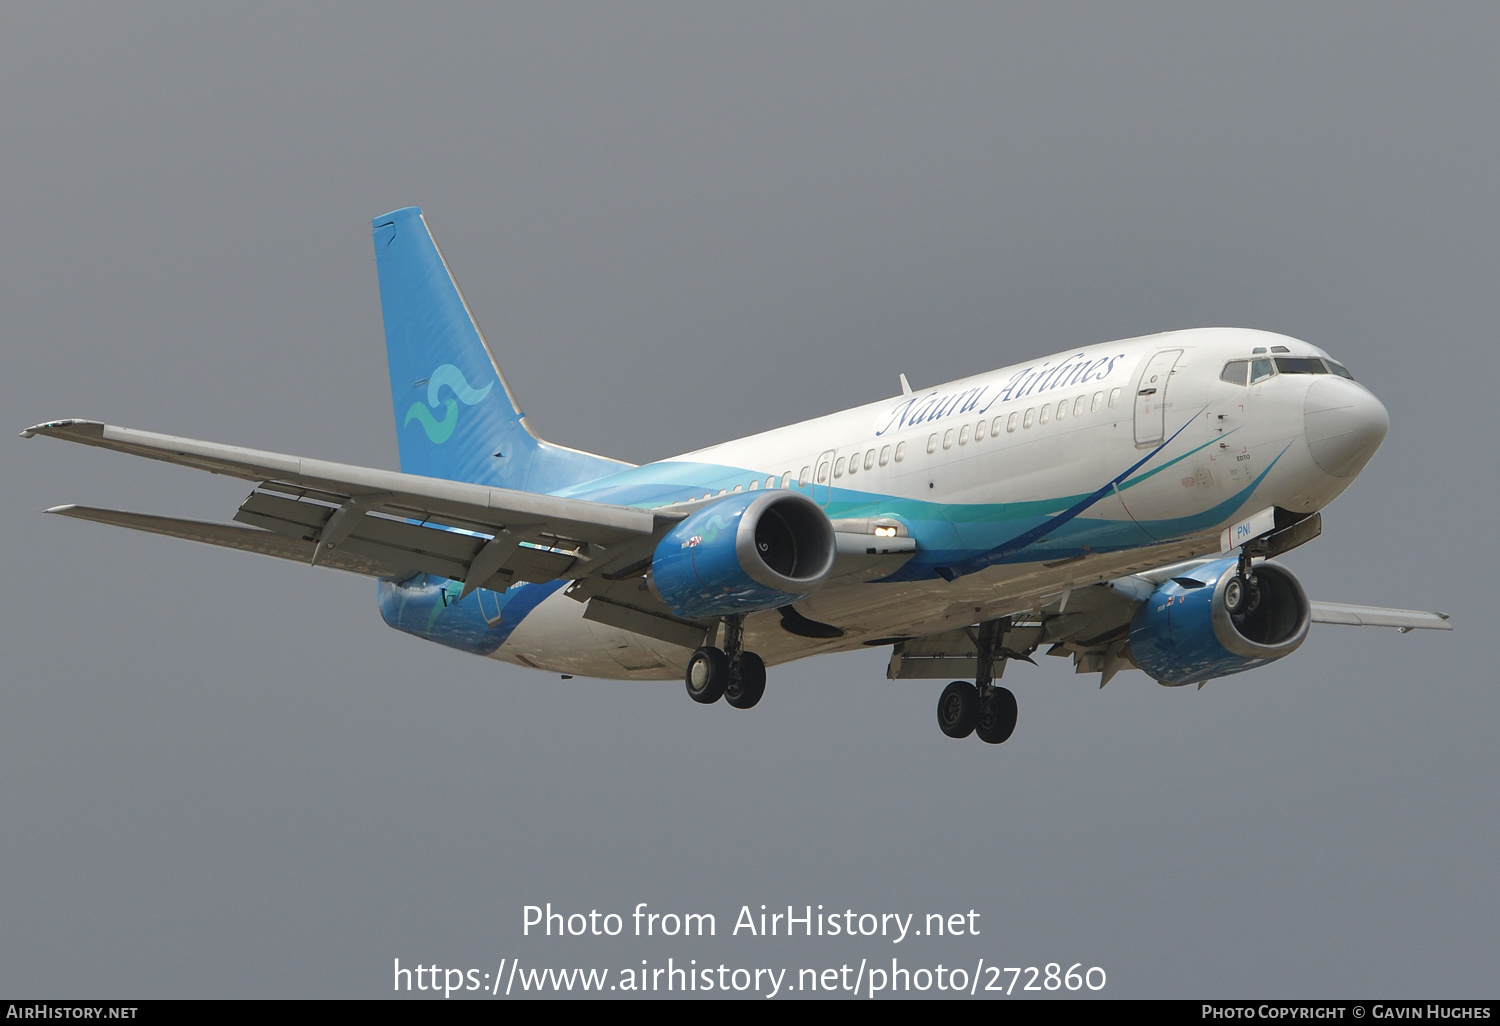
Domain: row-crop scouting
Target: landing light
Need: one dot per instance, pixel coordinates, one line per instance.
(885, 532)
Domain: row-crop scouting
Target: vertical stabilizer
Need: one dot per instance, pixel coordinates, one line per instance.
(456, 417)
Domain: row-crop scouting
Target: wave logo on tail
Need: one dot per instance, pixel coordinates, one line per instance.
(440, 429)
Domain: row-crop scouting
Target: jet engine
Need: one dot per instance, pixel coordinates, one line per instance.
(744, 553)
(1212, 623)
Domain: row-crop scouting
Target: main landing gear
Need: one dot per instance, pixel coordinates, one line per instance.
(731, 673)
(983, 708)
(1242, 592)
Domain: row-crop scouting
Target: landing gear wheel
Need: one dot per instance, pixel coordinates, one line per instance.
(958, 709)
(707, 675)
(747, 681)
(997, 716)
(1241, 595)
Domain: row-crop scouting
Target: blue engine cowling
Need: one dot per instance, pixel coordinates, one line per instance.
(744, 553)
(1185, 633)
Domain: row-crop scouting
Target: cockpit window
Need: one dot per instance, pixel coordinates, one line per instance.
(1300, 365)
(1260, 370)
(1234, 372)
(1339, 369)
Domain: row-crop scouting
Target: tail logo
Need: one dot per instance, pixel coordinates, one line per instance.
(440, 429)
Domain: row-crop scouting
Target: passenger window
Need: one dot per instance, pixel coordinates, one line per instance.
(979, 431)
(900, 451)
(1010, 425)
(1062, 409)
(1234, 372)
(754, 484)
(963, 435)
(1260, 370)
(739, 488)
(823, 472)
(723, 491)
(869, 459)
(802, 477)
(771, 481)
(854, 463)
(1078, 405)
(1098, 402)
(838, 469)
(995, 425)
(1045, 415)
(1030, 418)
(885, 455)
(932, 442)
(948, 439)
(1114, 397)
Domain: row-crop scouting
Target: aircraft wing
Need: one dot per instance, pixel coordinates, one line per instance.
(382, 523)
(1403, 620)
(1092, 625)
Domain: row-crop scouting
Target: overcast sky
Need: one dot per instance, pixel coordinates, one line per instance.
(222, 775)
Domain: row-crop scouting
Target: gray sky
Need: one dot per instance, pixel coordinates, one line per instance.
(224, 776)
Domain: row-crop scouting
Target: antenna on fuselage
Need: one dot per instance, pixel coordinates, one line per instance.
(905, 385)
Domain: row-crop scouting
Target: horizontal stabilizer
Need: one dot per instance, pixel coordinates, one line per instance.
(1377, 616)
(232, 536)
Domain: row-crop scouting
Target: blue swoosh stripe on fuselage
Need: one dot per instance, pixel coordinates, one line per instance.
(1048, 533)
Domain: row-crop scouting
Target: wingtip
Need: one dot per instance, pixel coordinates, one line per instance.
(48, 427)
(63, 510)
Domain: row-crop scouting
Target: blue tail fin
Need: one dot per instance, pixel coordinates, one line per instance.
(456, 417)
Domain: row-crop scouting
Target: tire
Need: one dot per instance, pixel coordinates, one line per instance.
(1241, 596)
(958, 709)
(707, 675)
(997, 716)
(1235, 594)
(747, 681)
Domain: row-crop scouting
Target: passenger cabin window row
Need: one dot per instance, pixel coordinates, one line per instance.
(1241, 372)
(853, 464)
(1075, 407)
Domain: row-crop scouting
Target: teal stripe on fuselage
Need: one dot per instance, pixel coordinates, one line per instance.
(954, 537)
(948, 534)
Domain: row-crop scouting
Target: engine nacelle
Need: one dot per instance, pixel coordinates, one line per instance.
(1186, 635)
(744, 553)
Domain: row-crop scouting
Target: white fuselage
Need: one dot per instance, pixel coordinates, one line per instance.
(954, 461)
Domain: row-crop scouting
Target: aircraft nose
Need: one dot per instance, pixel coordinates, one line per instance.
(1344, 425)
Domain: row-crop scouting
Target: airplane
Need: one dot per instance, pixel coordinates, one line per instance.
(1115, 504)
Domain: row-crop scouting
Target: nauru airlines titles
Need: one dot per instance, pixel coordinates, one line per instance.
(1116, 505)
